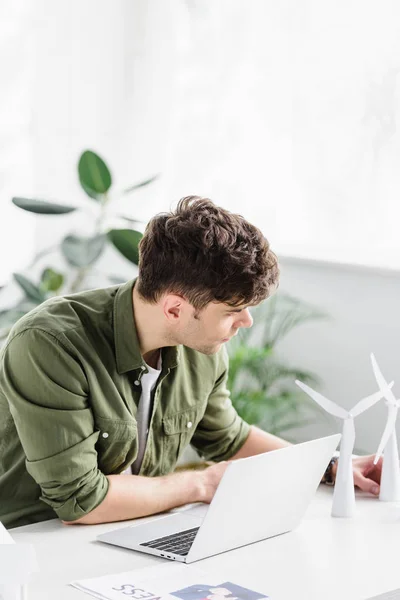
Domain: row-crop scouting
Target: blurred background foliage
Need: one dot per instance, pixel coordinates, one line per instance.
(80, 252)
(262, 384)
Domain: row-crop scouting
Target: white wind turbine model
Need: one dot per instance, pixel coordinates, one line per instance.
(390, 478)
(343, 494)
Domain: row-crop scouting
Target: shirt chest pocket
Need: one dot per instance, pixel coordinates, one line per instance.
(178, 430)
(117, 445)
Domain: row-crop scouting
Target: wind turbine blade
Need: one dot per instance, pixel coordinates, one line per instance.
(390, 425)
(326, 404)
(366, 403)
(381, 381)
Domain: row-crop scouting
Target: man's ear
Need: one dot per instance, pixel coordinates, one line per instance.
(172, 307)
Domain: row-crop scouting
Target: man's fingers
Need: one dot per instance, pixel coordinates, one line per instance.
(366, 485)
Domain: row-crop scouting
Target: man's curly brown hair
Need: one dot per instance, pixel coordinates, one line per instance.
(205, 254)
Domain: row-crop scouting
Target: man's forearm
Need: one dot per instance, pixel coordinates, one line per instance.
(133, 496)
(260, 441)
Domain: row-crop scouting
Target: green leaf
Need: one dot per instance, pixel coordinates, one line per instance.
(82, 251)
(30, 289)
(126, 241)
(94, 175)
(51, 281)
(262, 387)
(42, 207)
(136, 186)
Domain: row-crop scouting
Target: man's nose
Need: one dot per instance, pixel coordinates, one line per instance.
(246, 320)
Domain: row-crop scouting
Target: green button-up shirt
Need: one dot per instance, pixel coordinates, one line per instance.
(69, 394)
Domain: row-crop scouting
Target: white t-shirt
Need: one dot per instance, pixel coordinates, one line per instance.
(143, 415)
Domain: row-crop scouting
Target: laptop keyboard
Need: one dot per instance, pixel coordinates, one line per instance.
(177, 543)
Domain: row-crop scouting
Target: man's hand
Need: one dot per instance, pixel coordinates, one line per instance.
(367, 476)
(210, 480)
(134, 496)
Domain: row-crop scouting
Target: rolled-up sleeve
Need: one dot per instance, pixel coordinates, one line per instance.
(221, 432)
(47, 392)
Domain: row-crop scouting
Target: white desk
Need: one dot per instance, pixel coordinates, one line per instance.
(323, 559)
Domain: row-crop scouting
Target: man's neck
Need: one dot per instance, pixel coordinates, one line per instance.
(151, 358)
(147, 328)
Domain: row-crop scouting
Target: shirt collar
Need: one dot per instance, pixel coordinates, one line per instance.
(127, 347)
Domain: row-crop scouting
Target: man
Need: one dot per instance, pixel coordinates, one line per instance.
(122, 379)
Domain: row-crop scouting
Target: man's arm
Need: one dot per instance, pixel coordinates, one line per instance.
(367, 476)
(134, 496)
(259, 441)
(47, 392)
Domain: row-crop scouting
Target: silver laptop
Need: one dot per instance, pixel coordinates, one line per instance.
(257, 498)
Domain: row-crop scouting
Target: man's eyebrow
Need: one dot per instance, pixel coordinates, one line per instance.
(238, 310)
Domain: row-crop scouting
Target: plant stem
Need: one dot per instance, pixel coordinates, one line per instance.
(83, 271)
(41, 254)
(80, 277)
(99, 221)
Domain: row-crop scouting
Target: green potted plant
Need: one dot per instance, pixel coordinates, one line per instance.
(262, 386)
(80, 252)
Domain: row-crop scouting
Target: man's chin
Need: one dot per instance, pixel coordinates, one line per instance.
(209, 350)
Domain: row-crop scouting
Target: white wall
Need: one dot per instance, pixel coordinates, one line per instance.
(242, 101)
(16, 171)
(105, 80)
(364, 308)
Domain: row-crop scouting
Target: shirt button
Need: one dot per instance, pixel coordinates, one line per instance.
(105, 434)
(189, 424)
(137, 382)
(143, 368)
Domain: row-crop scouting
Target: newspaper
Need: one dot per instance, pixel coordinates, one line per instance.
(166, 582)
